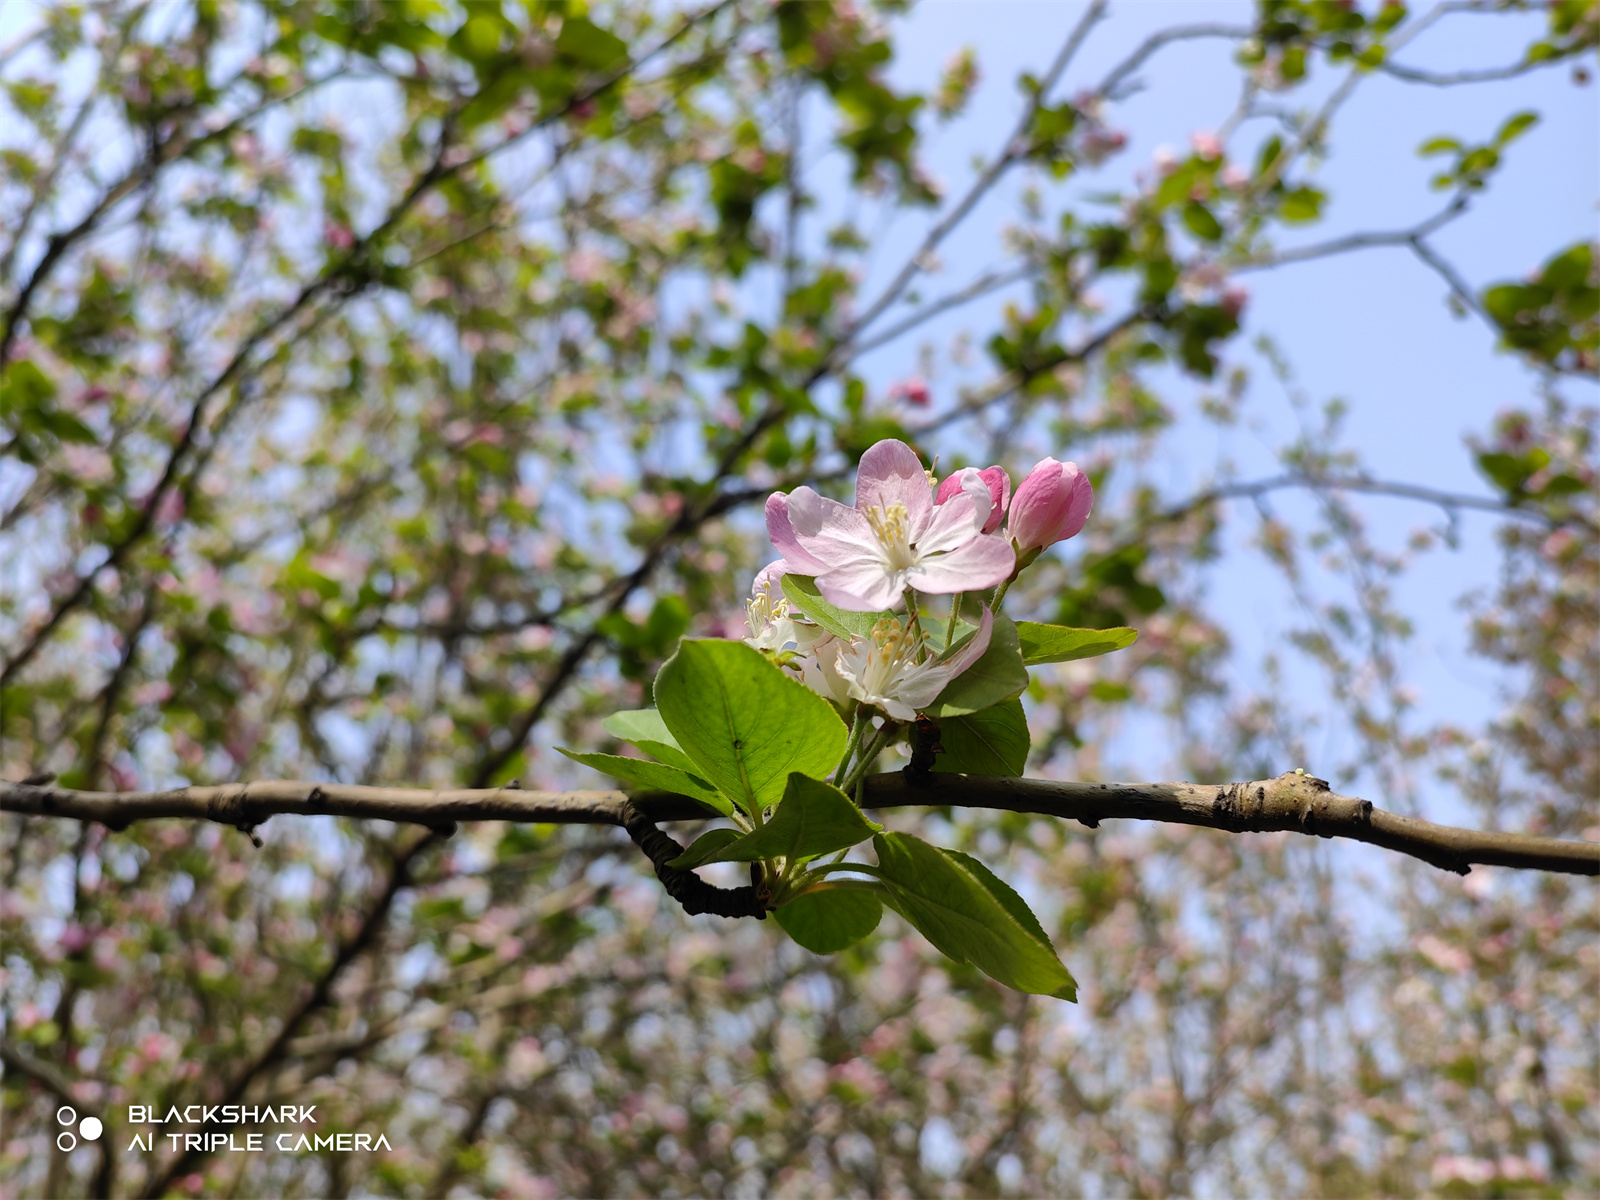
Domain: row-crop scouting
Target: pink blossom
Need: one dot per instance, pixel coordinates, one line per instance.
(338, 236)
(781, 530)
(912, 391)
(994, 480)
(894, 538)
(1442, 954)
(1051, 505)
(1207, 145)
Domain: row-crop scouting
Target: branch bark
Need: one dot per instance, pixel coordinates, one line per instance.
(1294, 802)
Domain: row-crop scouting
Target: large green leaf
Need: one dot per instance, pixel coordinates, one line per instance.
(644, 728)
(814, 818)
(992, 742)
(1062, 643)
(829, 921)
(998, 675)
(803, 594)
(654, 775)
(744, 722)
(970, 915)
(1017, 907)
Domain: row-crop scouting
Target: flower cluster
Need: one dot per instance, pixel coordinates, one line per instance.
(907, 533)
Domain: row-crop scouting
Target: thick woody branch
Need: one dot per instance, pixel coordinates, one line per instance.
(1294, 802)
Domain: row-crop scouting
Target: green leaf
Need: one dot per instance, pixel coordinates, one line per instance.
(1439, 145)
(814, 818)
(706, 845)
(803, 593)
(1567, 270)
(746, 724)
(589, 44)
(1108, 691)
(1301, 204)
(997, 676)
(829, 921)
(24, 388)
(1515, 126)
(992, 742)
(1200, 221)
(1063, 643)
(1016, 906)
(970, 915)
(67, 427)
(1511, 472)
(644, 728)
(654, 775)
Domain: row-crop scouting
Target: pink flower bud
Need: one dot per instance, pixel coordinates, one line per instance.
(1051, 505)
(1207, 145)
(993, 478)
(913, 391)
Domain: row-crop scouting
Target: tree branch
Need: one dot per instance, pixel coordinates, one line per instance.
(1295, 802)
(1359, 241)
(1109, 86)
(1450, 502)
(1452, 78)
(25, 1063)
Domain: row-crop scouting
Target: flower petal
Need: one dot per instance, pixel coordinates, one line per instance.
(983, 562)
(955, 522)
(891, 473)
(861, 585)
(769, 576)
(828, 532)
(780, 529)
(973, 650)
(999, 495)
(819, 670)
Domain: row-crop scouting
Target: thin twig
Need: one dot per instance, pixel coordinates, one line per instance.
(1357, 241)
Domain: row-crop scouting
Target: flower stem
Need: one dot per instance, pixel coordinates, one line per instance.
(869, 752)
(955, 611)
(857, 726)
(999, 595)
(916, 623)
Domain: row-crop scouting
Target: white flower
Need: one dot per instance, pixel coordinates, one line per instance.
(883, 670)
(774, 627)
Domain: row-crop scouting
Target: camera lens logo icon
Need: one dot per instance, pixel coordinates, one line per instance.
(89, 1127)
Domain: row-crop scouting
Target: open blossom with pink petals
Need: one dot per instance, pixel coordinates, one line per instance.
(992, 480)
(865, 557)
(1051, 505)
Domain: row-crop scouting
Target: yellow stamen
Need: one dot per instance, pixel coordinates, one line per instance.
(891, 526)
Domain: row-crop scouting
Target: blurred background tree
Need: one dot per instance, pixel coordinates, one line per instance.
(387, 386)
